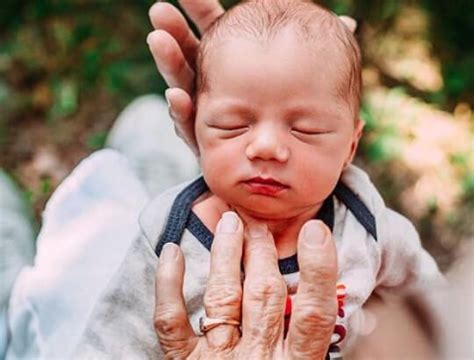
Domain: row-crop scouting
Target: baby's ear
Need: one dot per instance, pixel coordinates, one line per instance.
(349, 22)
(359, 128)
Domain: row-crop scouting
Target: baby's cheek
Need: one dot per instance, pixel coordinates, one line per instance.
(319, 179)
(216, 165)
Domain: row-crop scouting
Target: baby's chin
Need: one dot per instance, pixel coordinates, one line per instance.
(263, 208)
(250, 214)
(269, 210)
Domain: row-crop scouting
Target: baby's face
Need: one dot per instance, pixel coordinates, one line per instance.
(273, 134)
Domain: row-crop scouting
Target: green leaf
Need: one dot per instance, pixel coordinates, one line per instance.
(97, 140)
(45, 186)
(468, 185)
(66, 98)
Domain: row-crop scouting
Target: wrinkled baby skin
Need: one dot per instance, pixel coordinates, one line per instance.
(272, 110)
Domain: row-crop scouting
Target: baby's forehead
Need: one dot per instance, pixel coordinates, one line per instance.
(242, 61)
(285, 55)
(263, 20)
(324, 48)
(317, 28)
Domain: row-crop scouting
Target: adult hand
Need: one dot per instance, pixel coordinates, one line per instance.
(259, 306)
(174, 48)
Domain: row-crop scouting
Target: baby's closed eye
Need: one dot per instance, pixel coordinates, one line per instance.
(228, 129)
(308, 131)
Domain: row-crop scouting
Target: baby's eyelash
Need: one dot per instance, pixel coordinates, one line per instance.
(305, 132)
(234, 128)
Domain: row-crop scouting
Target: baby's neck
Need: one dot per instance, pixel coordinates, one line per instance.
(285, 231)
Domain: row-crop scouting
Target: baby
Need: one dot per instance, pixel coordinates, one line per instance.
(278, 95)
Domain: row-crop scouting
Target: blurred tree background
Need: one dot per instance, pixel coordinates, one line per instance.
(67, 68)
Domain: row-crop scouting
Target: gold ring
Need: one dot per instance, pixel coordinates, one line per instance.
(206, 323)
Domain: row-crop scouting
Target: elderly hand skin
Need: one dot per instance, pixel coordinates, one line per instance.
(259, 305)
(174, 48)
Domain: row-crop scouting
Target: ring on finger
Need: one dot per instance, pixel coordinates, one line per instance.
(207, 323)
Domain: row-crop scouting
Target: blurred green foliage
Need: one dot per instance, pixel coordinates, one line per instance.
(97, 140)
(382, 142)
(451, 25)
(451, 29)
(53, 53)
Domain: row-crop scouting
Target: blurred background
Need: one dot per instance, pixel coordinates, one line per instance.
(68, 67)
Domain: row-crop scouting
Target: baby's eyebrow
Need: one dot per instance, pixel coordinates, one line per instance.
(297, 111)
(235, 108)
(310, 111)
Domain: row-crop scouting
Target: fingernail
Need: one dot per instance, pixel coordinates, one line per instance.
(314, 233)
(166, 97)
(257, 230)
(148, 37)
(228, 223)
(169, 252)
(168, 102)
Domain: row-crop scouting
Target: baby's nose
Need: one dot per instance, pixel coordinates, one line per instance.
(267, 145)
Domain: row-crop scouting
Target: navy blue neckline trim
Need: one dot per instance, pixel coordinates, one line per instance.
(357, 207)
(179, 213)
(286, 265)
(181, 217)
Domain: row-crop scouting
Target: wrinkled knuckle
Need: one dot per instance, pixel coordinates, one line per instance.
(326, 274)
(168, 320)
(322, 318)
(221, 293)
(327, 271)
(270, 286)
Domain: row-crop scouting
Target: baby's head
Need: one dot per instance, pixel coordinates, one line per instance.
(278, 90)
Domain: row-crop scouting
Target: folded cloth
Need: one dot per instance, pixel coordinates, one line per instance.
(16, 245)
(89, 224)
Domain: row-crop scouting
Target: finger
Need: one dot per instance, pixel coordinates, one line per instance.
(314, 315)
(223, 295)
(351, 23)
(181, 110)
(202, 13)
(264, 292)
(165, 16)
(170, 60)
(172, 326)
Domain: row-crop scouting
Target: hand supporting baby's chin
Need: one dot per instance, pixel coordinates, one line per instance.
(285, 231)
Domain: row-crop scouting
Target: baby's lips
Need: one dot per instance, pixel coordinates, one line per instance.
(266, 181)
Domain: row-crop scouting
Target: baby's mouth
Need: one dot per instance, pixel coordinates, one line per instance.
(266, 181)
(265, 186)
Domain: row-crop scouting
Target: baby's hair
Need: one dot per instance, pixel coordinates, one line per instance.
(261, 20)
